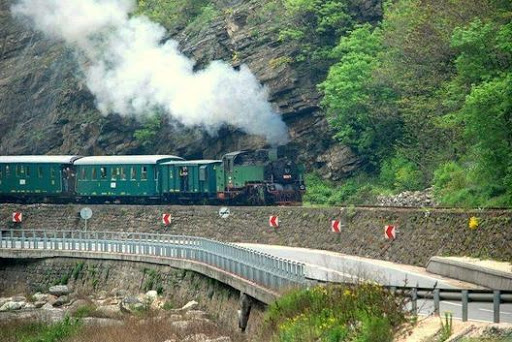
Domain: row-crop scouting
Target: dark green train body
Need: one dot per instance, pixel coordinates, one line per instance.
(37, 178)
(194, 180)
(258, 177)
(119, 177)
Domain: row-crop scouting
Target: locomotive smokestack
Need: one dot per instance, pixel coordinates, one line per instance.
(131, 72)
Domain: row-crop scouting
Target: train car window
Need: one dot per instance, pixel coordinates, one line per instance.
(103, 172)
(114, 172)
(82, 173)
(155, 174)
(133, 173)
(94, 174)
(144, 174)
(7, 171)
(123, 173)
(202, 173)
(52, 173)
(40, 172)
(1, 172)
(18, 170)
(27, 171)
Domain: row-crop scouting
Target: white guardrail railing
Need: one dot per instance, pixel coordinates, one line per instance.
(261, 268)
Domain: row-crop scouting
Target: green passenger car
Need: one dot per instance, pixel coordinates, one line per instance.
(120, 176)
(36, 176)
(189, 180)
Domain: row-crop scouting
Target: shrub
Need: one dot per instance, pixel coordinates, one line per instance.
(401, 174)
(84, 311)
(363, 312)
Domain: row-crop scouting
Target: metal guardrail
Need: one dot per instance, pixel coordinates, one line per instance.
(464, 295)
(261, 268)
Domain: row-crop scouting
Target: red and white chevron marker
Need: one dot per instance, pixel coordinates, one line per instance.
(389, 232)
(273, 221)
(335, 226)
(17, 217)
(166, 219)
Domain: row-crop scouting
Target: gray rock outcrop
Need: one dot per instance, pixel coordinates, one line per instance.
(59, 290)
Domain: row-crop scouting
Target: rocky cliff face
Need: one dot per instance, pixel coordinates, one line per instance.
(45, 108)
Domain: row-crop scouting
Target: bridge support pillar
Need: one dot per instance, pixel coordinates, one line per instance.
(245, 310)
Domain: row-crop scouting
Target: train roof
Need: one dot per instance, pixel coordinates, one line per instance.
(231, 154)
(114, 160)
(39, 159)
(192, 162)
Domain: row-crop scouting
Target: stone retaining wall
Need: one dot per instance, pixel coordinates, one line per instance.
(421, 233)
(93, 277)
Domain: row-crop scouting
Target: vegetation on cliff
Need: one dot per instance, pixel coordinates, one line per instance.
(424, 97)
(419, 89)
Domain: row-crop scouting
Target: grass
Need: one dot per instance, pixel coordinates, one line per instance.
(148, 329)
(22, 331)
(85, 311)
(152, 329)
(361, 313)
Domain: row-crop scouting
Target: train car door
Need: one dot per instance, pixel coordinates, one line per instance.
(68, 179)
(183, 178)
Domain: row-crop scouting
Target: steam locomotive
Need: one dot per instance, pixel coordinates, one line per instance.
(255, 177)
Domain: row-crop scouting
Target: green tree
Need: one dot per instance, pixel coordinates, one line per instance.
(359, 107)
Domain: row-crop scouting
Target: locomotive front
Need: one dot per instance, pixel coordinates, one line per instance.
(284, 178)
(261, 177)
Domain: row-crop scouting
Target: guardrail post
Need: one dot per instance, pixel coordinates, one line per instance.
(437, 299)
(465, 300)
(414, 301)
(496, 302)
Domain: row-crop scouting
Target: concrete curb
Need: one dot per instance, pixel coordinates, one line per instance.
(490, 278)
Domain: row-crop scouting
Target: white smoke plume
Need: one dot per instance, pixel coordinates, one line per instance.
(130, 71)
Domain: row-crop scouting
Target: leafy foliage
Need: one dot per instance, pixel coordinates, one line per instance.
(335, 313)
(426, 97)
(147, 135)
(172, 14)
(356, 104)
(360, 189)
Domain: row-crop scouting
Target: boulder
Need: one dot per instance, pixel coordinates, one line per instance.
(59, 290)
(19, 298)
(29, 306)
(130, 304)
(61, 301)
(40, 297)
(77, 304)
(190, 305)
(108, 311)
(48, 306)
(4, 300)
(11, 306)
(39, 304)
(150, 296)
